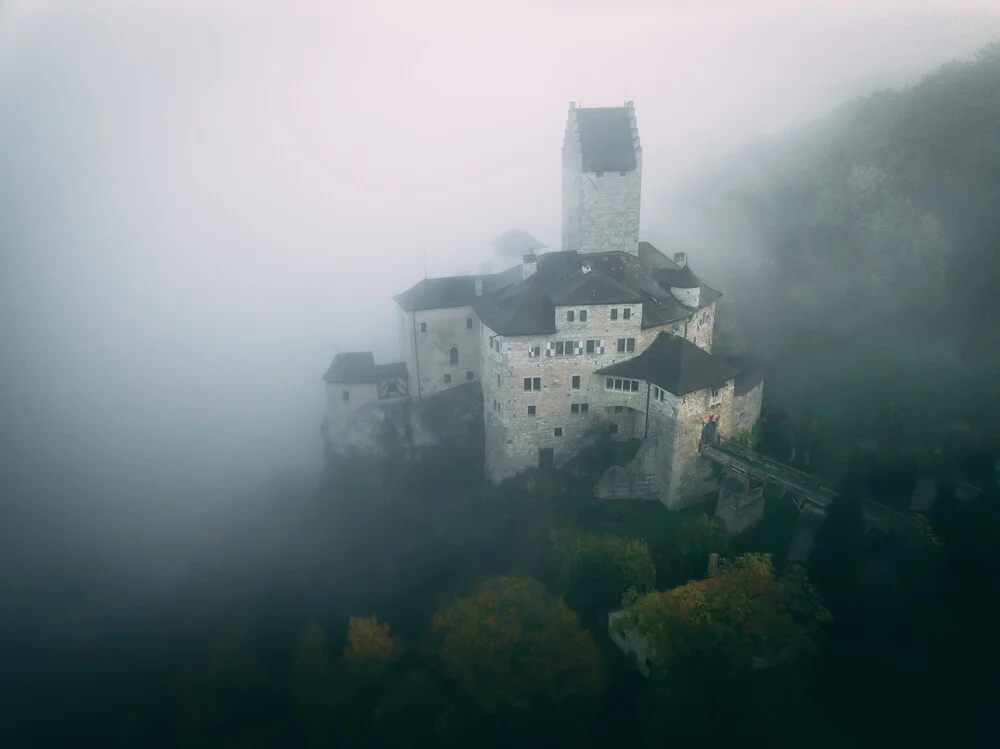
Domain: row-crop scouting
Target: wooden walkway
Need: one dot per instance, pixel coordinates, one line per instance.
(743, 462)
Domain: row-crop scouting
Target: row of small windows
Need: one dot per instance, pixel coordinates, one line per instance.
(579, 348)
(571, 315)
(621, 173)
(618, 383)
(575, 408)
(659, 393)
(468, 376)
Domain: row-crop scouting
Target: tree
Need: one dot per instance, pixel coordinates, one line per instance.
(313, 683)
(595, 570)
(370, 644)
(697, 537)
(520, 660)
(726, 650)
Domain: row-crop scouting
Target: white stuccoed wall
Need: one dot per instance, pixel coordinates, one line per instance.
(427, 355)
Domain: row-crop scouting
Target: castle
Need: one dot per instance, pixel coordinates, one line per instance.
(607, 331)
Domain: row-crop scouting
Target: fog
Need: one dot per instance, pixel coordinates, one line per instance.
(201, 202)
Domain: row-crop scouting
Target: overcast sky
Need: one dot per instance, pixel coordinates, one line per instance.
(200, 200)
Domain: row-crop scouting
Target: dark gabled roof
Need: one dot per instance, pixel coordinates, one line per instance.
(453, 291)
(359, 368)
(750, 374)
(593, 288)
(605, 139)
(652, 258)
(676, 365)
(512, 305)
(682, 278)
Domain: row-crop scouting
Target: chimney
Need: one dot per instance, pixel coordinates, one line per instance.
(681, 259)
(479, 287)
(713, 564)
(529, 264)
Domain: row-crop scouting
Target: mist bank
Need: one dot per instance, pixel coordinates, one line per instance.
(858, 255)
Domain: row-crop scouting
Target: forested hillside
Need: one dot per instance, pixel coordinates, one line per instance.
(868, 250)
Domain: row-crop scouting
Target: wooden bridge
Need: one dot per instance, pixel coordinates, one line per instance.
(806, 490)
(803, 488)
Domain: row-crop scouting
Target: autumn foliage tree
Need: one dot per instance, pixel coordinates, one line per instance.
(519, 659)
(725, 645)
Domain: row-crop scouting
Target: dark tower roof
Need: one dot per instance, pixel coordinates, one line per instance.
(606, 139)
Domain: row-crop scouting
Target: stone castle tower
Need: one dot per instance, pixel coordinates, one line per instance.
(601, 180)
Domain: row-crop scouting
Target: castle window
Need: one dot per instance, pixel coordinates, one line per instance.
(619, 409)
(532, 383)
(576, 382)
(590, 346)
(560, 348)
(447, 379)
(614, 313)
(468, 323)
(583, 315)
(614, 429)
(345, 395)
(532, 410)
(453, 355)
(557, 432)
(618, 383)
(469, 375)
(569, 316)
(599, 174)
(627, 313)
(584, 408)
(423, 327)
(536, 351)
(626, 345)
(621, 172)
(574, 408)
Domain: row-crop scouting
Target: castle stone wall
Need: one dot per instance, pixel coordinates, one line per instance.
(746, 408)
(609, 211)
(701, 326)
(600, 213)
(523, 434)
(692, 476)
(428, 355)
